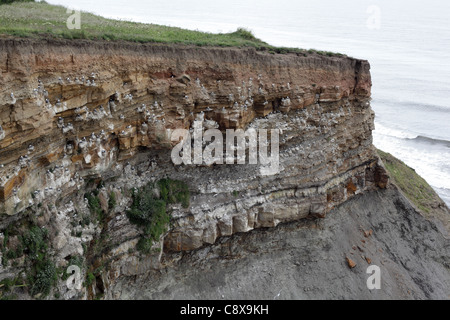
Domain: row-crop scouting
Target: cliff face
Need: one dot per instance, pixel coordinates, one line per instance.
(306, 259)
(76, 116)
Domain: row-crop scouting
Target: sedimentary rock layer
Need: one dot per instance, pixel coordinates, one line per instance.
(76, 113)
(306, 259)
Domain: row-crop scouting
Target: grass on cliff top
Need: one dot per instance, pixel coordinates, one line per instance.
(42, 20)
(415, 188)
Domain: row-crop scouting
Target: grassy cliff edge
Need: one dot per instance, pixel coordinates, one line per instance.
(416, 189)
(42, 20)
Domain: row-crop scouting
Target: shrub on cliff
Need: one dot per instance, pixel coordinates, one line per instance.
(145, 209)
(44, 278)
(149, 210)
(35, 241)
(150, 213)
(174, 191)
(94, 205)
(42, 274)
(245, 34)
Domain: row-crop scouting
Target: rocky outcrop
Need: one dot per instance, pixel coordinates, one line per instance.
(308, 259)
(80, 115)
(312, 259)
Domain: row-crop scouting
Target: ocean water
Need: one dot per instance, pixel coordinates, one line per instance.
(406, 41)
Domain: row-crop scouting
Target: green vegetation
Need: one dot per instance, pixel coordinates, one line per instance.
(144, 245)
(76, 261)
(150, 211)
(94, 276)
(9, 254)
(173, 191)
(42, 20)
(90, 278)
(7, 287)
(415, 188)
(42, 274)
(35, 241)
(31, 243)
(94, 205)
(325, 53)
(73, 261)
(44, 279)
(112, 200)
(11, 1)
(100, 245)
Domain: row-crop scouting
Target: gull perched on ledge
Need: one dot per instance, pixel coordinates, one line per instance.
(129, 97)
(13, 99)
(60, 122)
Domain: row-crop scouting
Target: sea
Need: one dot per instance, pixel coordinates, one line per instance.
(407, 43)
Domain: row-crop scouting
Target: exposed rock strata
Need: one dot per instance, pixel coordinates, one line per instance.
(307, 259)
(83, 112)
